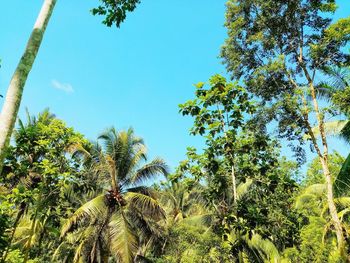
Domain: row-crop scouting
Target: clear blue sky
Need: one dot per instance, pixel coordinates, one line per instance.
(94, 77)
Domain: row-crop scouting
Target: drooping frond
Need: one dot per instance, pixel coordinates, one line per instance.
(315, 189)
(146, 172)
(324, 90)
(343, 202)
(203, 219)
(92, 209)
(265, 247)
(342, 181)
(144, 190)
(123, 241)
(332, 128)
(146, 204)
(28, 232)
(243, 188)
(310, 194)
(339, 77)
(78, 243)
(303, 200)
(146, 227)
(343, 213)
(345, 132)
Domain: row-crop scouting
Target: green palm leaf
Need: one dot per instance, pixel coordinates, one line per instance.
(310, 194)
(92, 209)
(342, 181)
(123, 241)
(332, 128)
(146, 204)
(144, 190)
(148, 171)
(243, 188)
(265, 247)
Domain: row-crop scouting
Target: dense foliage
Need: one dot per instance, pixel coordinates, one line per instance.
(239, 198)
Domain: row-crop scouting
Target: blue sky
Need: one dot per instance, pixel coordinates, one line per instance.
(94, 77)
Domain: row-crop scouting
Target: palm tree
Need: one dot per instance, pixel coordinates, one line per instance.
(115, 222)
(183, 201)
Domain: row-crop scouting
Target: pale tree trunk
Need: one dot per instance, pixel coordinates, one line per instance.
(331, 206)
(14, 93)
(233, 175)
(325, 166)
(234, 184)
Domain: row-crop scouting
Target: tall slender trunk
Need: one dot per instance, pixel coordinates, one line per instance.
(331, 206)
(234, 184)
(325, 166)
(15, 90)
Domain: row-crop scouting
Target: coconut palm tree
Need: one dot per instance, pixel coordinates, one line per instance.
(114, 223)
(183, 201)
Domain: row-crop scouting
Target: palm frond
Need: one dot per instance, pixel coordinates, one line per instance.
(146, 227)
(332, 128)
(339, 77)
(123, 241)
(342, 181)
(342, 213)
(345, 132)
(203, 219)
(148, 171)
(146, 205)
(92, 209)
(310, 194)
(324, 91)
(342, 201)
(243, 188)
(315, 189)
(266, 247)
(144, 190)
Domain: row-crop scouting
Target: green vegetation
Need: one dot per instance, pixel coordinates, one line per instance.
(64, 198)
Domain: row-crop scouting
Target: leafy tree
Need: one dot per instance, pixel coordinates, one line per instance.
(279, 49)
(37, 171)
(219, 113)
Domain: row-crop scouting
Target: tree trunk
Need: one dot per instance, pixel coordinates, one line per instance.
(331, 206)
(325, 167)
(15, 90)
(234, 184)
